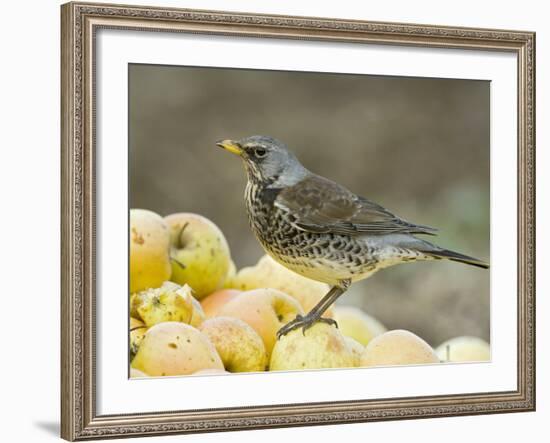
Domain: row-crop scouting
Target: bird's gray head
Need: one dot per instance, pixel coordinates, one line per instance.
(266, 159)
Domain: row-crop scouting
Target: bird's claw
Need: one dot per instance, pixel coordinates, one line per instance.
(305, 322)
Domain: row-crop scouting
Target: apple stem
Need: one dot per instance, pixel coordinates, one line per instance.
(180, 243)
(180, 264)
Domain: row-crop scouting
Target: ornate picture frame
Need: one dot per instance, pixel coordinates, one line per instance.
(80, 22)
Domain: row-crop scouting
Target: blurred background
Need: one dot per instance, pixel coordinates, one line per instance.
(417, 146)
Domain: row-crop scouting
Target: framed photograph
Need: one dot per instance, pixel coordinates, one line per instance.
(237, 192)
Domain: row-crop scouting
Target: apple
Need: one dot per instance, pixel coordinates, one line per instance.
(215, 301)
(137, 332)
(464, 348)
(170, 302)
(175, 348)
(239, 346)
(135, 373)
(230, 276)
(320, 346)
(398, 347)
(199, 252)
(149, 250)
(266, 310)
(355, 323)
(198, 315)
(356, 349)
(268, 273)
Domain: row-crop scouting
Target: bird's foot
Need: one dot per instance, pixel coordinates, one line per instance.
(305, 322)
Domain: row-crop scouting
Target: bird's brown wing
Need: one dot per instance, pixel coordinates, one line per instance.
(322, 206)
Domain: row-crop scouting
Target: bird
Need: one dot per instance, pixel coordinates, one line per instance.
(322, 230)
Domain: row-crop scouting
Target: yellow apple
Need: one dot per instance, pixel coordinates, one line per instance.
(198, 315)
(464, 348)
(268, 273)
(174, 348)
(199, 252)
(239, 346)
(266, 310)
(137, 332)
(398, 347)
(230, 276)
(356, 349)
(170, 302)
(321, 346)
(149, 250)
(214, 302)
(355, 323)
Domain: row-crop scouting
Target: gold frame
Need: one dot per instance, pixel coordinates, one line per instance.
(79, 22)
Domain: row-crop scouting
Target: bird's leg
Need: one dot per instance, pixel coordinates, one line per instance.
(313, 316)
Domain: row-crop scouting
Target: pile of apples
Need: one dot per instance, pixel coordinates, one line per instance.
(192, 313)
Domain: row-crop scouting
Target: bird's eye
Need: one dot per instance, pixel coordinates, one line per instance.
(260, 152)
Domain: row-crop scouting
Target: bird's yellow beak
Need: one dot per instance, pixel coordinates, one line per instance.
(231, 146)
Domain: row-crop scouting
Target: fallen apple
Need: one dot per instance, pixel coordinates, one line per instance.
(199, 253)
(239, 346)
(266, 310)
(215, 301)
(174, 348)
(398, 347)
(137, 332)
(268, 273)
(465, 348)
(149, 250)
(170, 302)
(198, 315)
(356, 349)
(321, 346)
(355, 323)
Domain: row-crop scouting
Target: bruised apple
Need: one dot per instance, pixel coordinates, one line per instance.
(320, 346)
(239, 346)
(266, 310)
(174, 348)
(170, 302)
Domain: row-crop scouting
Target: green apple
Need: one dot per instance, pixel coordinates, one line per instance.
(465, 348)
(239, 346)
(321, 346)
(199, 253)
(355, 323)
(398, 347)
(149, 250)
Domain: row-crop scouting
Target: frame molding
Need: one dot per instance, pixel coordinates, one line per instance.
(79, 22)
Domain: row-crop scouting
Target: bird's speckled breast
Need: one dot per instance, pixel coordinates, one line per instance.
(319, 256)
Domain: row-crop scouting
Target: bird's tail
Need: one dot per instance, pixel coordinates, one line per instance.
(455, 256)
